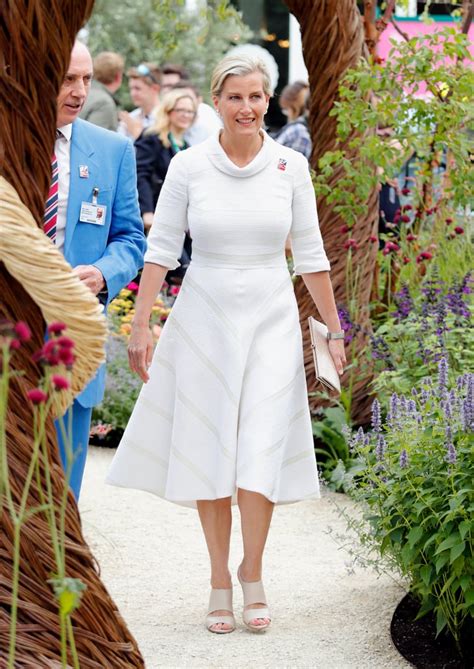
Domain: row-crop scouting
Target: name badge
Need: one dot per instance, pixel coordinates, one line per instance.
(93, 213)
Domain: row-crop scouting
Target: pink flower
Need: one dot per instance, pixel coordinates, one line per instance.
(406, 260)
(174, 290)
(459, 230)
(373, 239)
(406, 191)
(50, 353)
(351, 244)
(14, 344)
(411, 237)
(56, 328)
(343, 229)
(59, 382)
(65, 342)
(22, 331)
(405, 218)
(424, 255)
(407, 207)
(429, 212)
(448, 221)
(37, 396)
(389, 247)
(133, 286)
(66, 356)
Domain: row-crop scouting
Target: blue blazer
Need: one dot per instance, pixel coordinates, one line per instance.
(106, 161)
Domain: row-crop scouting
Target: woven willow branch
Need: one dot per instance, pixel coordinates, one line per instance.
(36, 263)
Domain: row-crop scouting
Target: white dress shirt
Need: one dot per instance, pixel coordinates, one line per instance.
(62, 149)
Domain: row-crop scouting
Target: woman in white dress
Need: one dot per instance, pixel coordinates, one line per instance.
(223, 415)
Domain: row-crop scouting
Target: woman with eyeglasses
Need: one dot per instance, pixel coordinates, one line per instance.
(157, 145)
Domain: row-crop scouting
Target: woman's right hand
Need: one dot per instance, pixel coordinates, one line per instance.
(140, 350)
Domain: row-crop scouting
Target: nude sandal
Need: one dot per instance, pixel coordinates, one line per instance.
(254, 594)
(220, 600)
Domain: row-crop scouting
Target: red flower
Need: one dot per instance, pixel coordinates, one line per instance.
(65, 342)
(373, 239)
(406, 191)
(343, 229)
(448, 221)
(50, 353)
(424, 255)
(59, 382)
(459, 230)
(429, 212)
(56, 328)
(22, 331)
(406, 260)
(14, 344)
(405, 218)
(174, 290)
(411, 237)
(37, 396)
(407, 207)
(66, 356)
(351, 244)
(389, 247)
(133, 286)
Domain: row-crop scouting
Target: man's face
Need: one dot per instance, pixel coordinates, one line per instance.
(168, 81)
(76, 85)
(142, 93)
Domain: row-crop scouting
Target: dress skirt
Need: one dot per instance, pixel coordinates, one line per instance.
(226, 404)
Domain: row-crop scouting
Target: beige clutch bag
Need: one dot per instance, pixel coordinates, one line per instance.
(326, 372)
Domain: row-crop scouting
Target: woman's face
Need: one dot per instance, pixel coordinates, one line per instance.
(242, 104)
(182, 115)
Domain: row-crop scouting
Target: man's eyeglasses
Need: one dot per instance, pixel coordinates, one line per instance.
(187, 112)
(145, 71)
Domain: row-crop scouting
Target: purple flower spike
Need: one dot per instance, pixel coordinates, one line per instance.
(451, 454)
(403, 459)
(442, 377)
(376, 416)
(468, 405)
(380, 448)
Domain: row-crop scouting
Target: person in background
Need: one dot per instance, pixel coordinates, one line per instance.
(295, 134)
(144, 83)
(207, 121)
(92, 217)
(101, 107)
(172, 74)
(158, 144)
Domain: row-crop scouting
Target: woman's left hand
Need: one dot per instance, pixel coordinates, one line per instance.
(336, 349)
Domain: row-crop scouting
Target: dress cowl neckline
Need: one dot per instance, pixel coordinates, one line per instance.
(223, 163)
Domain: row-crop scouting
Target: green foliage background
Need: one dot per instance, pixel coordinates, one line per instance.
(164, 30)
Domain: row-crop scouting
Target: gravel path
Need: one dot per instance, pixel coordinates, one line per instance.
(154, 561)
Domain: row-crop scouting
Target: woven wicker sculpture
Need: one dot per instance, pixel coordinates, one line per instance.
(333, 41)
(36, 38)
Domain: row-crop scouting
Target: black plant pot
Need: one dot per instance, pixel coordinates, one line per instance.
(416, 640)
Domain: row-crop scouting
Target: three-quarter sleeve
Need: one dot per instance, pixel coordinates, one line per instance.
(166, 236)
(306, 241)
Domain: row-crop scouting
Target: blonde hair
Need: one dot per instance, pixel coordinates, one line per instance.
(240, 66)
(107, 66)
(162, 125)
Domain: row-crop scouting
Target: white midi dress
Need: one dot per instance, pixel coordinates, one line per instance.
(226, 404)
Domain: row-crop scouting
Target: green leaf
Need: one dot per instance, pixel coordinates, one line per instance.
(441, 561)
(441, 621)
(456, 551)
(464, 528)
(447, 543)
(425, 573)
(414, 535)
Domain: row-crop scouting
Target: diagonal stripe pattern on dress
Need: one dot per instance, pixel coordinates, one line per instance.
(51, 211)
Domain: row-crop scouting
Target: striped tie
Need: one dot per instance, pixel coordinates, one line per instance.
(51, 213)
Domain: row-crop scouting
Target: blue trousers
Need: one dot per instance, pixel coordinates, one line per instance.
(73, 450)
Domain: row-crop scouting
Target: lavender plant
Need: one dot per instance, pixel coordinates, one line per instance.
(417, 488)
(425, 326)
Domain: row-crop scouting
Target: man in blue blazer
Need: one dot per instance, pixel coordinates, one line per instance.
(95, 222)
